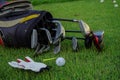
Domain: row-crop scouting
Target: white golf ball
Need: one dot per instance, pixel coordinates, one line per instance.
(114, 1)
(60, 61)
(101, 1)
(115, 5)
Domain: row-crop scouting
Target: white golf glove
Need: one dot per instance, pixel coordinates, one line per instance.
(28, 64)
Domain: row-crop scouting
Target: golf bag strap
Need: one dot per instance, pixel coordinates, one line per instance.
(15, 6)
(11, 23)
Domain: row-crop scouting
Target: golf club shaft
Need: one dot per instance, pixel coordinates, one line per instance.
(61, 19)
(75, 31)
(72, 37)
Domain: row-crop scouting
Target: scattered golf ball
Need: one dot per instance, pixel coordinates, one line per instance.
(115, 5)
(101, 1)
(114, 1)
(60, 61)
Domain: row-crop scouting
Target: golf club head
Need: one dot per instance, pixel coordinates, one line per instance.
(85, 29)
(36, 50)
(40, 49)
(88, 42)
(74, 44)
(57, 46)
(60, 31)
(34, 38)
(98, 40)
(43, 48)
(48, 35)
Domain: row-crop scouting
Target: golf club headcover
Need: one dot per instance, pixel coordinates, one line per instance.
(98, 40)
(28, 64)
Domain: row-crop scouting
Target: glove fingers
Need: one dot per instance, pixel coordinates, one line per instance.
(28, 59)
(20, 60)
(15, 65)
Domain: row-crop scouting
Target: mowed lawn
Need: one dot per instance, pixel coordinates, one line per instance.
(86, 64)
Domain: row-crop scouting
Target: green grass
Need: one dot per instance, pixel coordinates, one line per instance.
(37, 2)
(84, 64)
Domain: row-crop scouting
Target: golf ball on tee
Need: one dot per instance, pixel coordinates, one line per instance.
(60, 61)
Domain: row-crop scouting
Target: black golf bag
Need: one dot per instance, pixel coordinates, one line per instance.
(16, 28)
(20, 26)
